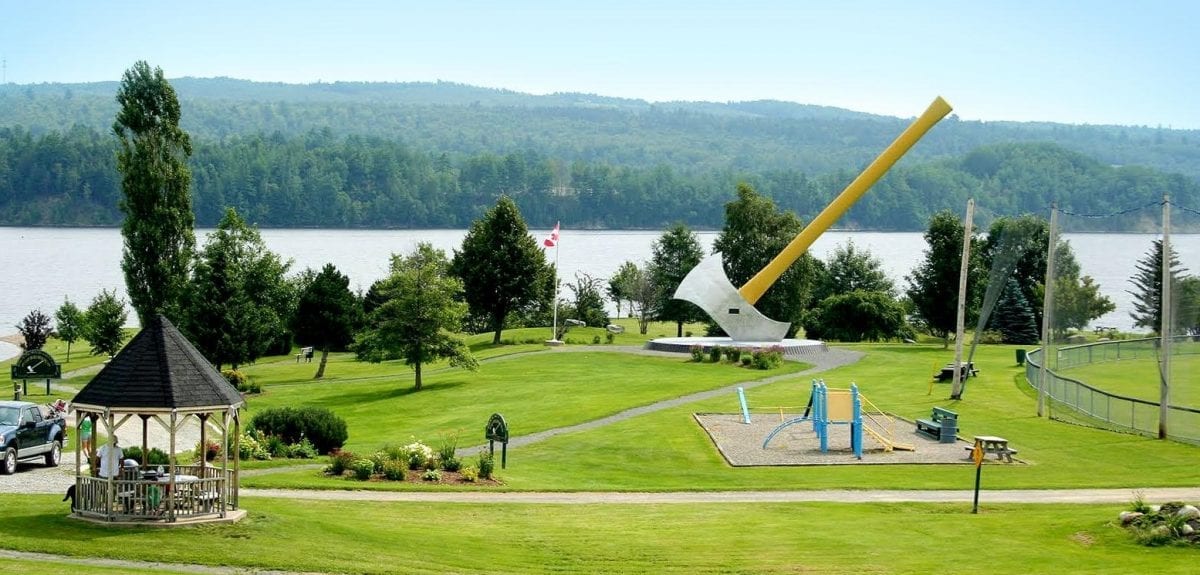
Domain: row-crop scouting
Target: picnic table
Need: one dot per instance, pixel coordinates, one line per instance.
(947, 373)
(997, 445)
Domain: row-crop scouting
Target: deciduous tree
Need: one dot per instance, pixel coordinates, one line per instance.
(103, 323)
(754, 233)
(620, 285)
(155, 180)
(35, 329)
(236, 303)
(498, 265)
(326, 314)
(420, 313)
(69, 323)
(673, 255)
(933, 285)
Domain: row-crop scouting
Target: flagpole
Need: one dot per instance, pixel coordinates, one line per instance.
(554, 334)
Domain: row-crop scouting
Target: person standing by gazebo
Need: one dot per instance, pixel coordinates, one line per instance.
(111, 456)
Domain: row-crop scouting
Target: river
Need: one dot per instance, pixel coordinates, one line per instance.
(40, 267)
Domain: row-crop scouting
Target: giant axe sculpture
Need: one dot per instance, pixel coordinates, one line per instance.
(708, 287)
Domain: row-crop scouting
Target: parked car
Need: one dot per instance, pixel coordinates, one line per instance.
(29, 430)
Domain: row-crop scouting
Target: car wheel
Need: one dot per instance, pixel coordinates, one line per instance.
(55, 454)
(9, 465)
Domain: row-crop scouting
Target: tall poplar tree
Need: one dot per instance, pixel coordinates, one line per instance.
(156, 182)
(499, 265)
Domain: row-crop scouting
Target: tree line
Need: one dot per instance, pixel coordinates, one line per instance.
(319, 179)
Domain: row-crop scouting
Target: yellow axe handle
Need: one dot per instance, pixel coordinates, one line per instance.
(769, 274)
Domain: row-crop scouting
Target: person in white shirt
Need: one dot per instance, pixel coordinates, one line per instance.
(111, 455)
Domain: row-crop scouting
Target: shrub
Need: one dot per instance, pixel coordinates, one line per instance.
(363, 468)
(418, 455)
(432, 475)
(340, 461)
(251, 446)
(609, 337)
(235, 378)
(393, 470)
(768, 358)
(747, 360)
(697, 352)
(469, 474)
(321, 426)
(277, 447)
(447, 454)
(714, 353)
(380, 459)
(210, 450)
(486, 465)
(302, 450)
(156, 456)
(991, 336)
(596, 339)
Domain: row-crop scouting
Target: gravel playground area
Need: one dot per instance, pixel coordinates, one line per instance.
(741, 444)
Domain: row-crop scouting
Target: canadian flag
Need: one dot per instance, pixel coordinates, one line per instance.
(552, 239)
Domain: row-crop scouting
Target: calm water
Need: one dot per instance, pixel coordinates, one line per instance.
(42, 266)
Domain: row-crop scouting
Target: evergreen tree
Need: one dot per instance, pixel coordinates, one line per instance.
(235, 305)
(1013, 317)
(1147, 295)
(35, 329)
(754, 233)
(326, 314)
(419, 316)
(69, 320)
(103, 323)
(673, 255)
(158, 225)
(499, 265)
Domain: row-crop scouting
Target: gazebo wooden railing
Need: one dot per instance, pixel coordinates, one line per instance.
(181, 493)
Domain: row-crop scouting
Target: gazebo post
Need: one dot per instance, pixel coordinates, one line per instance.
(145, 440)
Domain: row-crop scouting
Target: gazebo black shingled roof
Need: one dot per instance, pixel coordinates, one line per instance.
(157, 369)
(159, 375)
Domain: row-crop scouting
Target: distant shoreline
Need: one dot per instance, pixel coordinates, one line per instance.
(10, 346)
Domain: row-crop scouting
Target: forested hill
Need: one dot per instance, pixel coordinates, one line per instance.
(437, 154)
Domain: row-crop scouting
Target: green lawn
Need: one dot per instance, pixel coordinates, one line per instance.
(667, 450)
(534, 391)
(374, 537)
(1139, 378)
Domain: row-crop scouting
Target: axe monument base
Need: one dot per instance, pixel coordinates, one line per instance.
(791, 347)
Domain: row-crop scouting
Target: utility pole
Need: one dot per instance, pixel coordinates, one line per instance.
(961, 317)
(1165, 329)
(1047, 309)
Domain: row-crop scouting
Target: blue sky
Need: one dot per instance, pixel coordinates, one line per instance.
(1075, 62)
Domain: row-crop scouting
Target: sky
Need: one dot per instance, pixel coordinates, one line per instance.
(1097, 62)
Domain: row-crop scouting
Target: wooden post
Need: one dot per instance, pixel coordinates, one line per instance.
(1047, 307)
(960, 328)
(1164, 393)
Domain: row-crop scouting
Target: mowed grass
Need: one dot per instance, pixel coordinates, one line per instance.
(534, 391)
(1140, 378)
(667, 450)
(379, 537)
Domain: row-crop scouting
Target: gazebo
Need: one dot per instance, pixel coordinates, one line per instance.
(160, 377)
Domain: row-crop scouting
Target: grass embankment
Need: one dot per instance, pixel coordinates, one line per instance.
(373, 537)
(667, 450)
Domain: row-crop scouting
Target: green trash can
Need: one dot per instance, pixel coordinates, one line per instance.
(1020, 357)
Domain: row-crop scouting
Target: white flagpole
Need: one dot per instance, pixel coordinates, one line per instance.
(554, 334)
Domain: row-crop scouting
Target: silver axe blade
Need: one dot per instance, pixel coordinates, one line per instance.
(708, 287)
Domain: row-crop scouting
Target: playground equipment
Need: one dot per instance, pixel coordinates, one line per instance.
(844, 407)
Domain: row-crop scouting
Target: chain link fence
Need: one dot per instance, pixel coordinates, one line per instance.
(1075, 401)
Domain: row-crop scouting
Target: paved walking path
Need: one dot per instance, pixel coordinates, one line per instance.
(825, 361)
(1190, 494)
